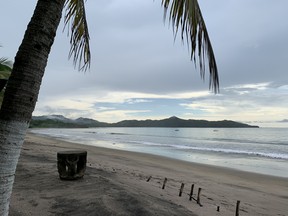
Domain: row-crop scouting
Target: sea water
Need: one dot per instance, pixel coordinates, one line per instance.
(259, 150)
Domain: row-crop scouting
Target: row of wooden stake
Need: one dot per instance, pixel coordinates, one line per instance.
(198, 195)
(181, 191)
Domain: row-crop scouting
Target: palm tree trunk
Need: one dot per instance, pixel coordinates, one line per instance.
(22, 90)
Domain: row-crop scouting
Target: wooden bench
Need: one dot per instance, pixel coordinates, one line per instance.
(71, 164)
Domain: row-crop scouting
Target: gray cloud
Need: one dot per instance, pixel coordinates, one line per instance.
(134, 51)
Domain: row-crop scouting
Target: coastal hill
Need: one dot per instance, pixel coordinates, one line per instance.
(59, 121)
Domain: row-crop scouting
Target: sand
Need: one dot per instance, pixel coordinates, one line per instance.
(115, 183)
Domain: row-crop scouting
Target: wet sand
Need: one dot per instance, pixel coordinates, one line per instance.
(115, 183)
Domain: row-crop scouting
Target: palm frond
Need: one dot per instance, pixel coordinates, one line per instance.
(5, 64)
(186, 15)
(75, 18)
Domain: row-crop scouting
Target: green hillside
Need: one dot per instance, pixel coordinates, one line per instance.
(58, 121)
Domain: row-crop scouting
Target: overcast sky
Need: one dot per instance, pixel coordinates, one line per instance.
(139, 72)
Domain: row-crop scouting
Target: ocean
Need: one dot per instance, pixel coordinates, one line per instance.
(258, 150)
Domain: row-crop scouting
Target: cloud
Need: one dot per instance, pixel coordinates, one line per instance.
(249, 87)
(243, 103)
(139, 71)
(134, 101)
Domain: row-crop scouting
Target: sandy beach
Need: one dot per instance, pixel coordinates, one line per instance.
(115, 183)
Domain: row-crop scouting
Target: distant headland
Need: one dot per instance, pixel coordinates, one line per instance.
(59, 121)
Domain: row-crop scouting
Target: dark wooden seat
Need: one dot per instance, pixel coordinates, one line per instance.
(71, 164)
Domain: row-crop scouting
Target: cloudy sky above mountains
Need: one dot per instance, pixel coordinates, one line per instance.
(139, 72)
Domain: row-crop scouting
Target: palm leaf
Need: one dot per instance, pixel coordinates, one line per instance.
(186, 15)
(5, 64)
(75, 18)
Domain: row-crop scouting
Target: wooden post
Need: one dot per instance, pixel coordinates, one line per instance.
(164, 183)
(149, 178)
(237, 208)
(191, 192)
(181, 189)
(198, 196)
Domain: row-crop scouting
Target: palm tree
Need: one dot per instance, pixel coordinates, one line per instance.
(24, 83)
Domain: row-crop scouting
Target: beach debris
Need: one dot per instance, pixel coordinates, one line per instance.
(71, 164)
(164, 183)
(198, 197)
(191, 192)
(237, 208)
(181, 189)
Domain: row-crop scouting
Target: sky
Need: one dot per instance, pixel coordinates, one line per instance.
(139, 72)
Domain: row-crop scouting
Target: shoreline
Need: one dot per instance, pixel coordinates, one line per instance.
(259, 194)
(275, 168)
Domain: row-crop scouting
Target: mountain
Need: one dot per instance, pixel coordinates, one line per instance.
(59, 121)
(177, 122)
(52, 117)
(91, 122)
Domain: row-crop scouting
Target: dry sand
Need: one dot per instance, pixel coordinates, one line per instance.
(115, 183)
